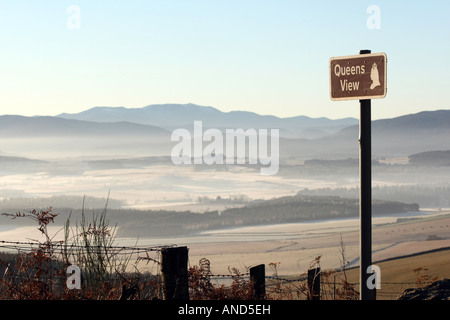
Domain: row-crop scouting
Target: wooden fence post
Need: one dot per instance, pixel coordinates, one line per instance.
(174, 270)
(314, 284)
(258, 278)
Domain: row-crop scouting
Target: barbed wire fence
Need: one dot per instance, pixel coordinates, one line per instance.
(127, 267)
(289, 286)
(139, 271)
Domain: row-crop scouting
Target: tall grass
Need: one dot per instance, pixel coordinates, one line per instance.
(35, 274)
(91, 245)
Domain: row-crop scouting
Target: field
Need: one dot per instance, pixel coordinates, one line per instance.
(399, 248)
(398, 274)
(295, 245)
(407, 248)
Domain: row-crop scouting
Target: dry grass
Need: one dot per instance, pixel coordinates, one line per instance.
(409, 272)
(39, 271)
(43, 272)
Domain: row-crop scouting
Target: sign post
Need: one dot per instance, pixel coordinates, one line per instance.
(362, 77)
(365, 194)
(358, 77)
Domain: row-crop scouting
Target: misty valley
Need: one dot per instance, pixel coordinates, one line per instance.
(69, 164)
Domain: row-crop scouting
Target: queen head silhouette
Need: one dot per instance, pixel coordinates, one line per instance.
(374, 76)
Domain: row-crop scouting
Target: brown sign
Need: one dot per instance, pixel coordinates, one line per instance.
(358, 77)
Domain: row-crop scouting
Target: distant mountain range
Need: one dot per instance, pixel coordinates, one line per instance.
(171, 116)
(404, 135)
(122, 131)
(41, 126)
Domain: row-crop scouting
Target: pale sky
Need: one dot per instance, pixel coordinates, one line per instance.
(269, 57)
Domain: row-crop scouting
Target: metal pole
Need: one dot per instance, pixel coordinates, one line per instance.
(365, 211)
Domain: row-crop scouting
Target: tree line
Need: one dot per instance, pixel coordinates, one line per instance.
(288, 209)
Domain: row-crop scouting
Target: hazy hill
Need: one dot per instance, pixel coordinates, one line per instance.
(289, 209)
(10, 165)
(52, 137)
(430, 158)
(301, 136)
(183, 115)
(400, 136)
(19, 160)
(425, 122)
(21, 126)
(96, 133)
